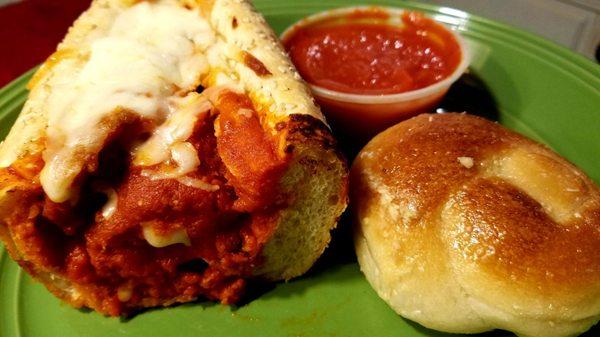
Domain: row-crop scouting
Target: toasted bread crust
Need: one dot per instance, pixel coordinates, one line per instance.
(318, 177)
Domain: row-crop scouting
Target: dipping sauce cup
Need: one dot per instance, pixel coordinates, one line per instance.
(372, 67)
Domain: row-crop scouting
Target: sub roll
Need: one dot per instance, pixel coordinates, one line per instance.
(167, 151)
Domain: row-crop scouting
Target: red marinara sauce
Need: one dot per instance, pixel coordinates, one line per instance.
(363, 53)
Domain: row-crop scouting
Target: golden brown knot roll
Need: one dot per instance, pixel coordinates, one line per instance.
(465, 226)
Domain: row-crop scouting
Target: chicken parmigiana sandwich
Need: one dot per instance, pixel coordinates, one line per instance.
(168, 151)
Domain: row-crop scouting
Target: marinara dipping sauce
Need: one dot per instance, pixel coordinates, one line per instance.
(370, 68)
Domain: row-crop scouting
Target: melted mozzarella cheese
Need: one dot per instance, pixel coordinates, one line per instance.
(111, 204)
(158, 240)
(199, 184)
(246, 113)
(151, 51)
(166, 142)
(185, 156)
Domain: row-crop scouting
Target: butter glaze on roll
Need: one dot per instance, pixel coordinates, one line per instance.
(464, 226)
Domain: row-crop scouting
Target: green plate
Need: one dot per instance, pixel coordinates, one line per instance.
(542, 90)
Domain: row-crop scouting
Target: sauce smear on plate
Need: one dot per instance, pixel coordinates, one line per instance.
(365, 53)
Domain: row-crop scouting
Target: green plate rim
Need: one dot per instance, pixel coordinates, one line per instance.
(573, 64)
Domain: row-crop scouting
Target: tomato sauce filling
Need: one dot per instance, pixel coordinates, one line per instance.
(362, 53)
(110, 259)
